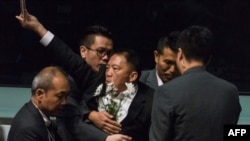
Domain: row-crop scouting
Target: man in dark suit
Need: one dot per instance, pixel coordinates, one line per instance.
(134, 112)
(165, 65)
(50, 89)
(196, 105)
(81, 71)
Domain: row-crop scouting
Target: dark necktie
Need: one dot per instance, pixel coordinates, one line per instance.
(51, 132)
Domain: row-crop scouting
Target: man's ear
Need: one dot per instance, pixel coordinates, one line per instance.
(40, 93)
(83, 51)
(179, 55)
(133, 76)
(156, 55)
(181, 58)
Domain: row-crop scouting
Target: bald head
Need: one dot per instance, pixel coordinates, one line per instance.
(50, 89)
(44, 79)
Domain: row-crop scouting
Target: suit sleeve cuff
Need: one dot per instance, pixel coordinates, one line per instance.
(47, 38)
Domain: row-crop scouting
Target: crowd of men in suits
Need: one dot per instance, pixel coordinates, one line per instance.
(178, 100)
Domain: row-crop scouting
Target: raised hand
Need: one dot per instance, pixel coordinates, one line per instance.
(32, 23)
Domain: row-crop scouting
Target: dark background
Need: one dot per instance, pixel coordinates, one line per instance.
(135, 24)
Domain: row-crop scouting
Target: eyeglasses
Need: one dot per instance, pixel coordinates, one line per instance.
(101, 52)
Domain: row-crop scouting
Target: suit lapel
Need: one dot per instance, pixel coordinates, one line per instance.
(35, 113)
(135, 107)
(39, 119)
(97, 79)
(152, 80)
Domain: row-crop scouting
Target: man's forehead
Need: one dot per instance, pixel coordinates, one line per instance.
(118, 60)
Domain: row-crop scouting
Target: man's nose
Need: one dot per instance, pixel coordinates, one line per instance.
(172, 68)
(105, 58)
(108, 72)
(64, 101)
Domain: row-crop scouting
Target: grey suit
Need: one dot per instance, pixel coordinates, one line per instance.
(149, 78)
(194, 107)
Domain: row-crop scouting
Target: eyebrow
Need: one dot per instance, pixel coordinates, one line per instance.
(167, 60)
(103, 48)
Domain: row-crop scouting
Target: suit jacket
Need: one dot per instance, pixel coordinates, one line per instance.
(149, 78)
(70, 122)
(28, 125)
(137, 122)
(72, 63)
(82, 81)
(72, 128)
(194, 107)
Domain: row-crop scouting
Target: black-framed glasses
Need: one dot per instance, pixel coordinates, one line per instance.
(101, 52)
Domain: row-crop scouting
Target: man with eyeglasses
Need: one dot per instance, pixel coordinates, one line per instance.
(95, 48)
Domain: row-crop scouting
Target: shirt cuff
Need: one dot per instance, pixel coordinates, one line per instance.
(47, 38)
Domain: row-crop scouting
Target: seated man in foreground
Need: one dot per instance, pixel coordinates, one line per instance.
(50, 89)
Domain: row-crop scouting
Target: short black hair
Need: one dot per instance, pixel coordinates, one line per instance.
(131, 57)
(168, 41)
(87, 37)
(196, 43)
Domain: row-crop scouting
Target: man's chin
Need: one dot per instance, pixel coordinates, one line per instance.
(167, 79)
(56, 112)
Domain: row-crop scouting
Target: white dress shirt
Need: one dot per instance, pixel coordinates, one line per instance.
(125, 103)
(159, 81)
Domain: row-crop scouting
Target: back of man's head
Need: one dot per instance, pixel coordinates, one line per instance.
(196, 43)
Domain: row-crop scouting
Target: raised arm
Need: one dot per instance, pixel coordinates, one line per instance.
(61, 53)
(33, 24)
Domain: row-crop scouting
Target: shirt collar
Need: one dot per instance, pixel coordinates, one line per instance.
(159, 81)
(45, 118)
(120, 96)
